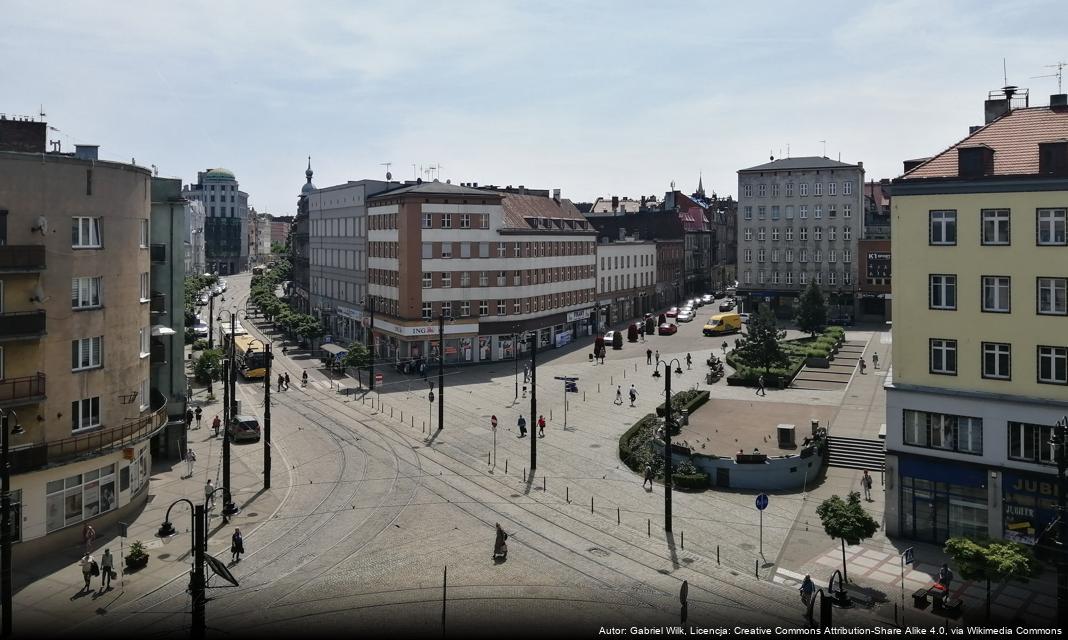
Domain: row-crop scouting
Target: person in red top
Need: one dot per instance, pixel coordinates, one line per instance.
(541, 426)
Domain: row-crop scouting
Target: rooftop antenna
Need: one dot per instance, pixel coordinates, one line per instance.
(824, 148)
(1004, 73)
(41, 112)
(414, 174)
(787, 149)
(387, 165)
(1059, 75)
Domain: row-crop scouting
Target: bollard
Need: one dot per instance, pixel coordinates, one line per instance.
(611, 380)
(543, 483)
(683, 539)
(402, 416)
(648, 527)
(756, 568)
(413, 421)
(550, 416)
(567, 494)
(717, 554)
(624, 374)
(489, 459)
(618, 521)
(506, 465)
(584, 396)
(524, 474)
(391, 412)
(635, 366)
(591, 504)
(598, 387)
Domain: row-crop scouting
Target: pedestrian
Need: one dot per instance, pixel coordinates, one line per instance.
(633, 394)
(304, 378)
(657, 356)
(863, 365)
(237, 545)
(648, 356)
(107, 564)
(215, 425)
(736, 343)
(648, 476)
(88, 536)
(86, 564)
(541, 426)
(760, 386)
(641, 331)
(522, 426)
(188, 417)
(807, 588)
(287, 381)
(281, 381)
(526, 373)
(500, 549)
(724, 347)
(209, 495)
(689, 362)
(198, 413)
(190, 459)
(875, 360)
(619, 395)
(422, 370)
(524, 391)
(866, 482)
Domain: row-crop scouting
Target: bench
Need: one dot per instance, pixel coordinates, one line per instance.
(919, 597)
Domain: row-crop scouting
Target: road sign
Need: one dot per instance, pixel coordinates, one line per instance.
(493, 421)
(762, 501)
(570, 387)
(431, 397)
(379, 377)
(908, 556)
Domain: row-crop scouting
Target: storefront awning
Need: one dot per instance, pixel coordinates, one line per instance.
(160, 330)
(333, 349)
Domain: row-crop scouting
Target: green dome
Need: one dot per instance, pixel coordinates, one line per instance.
(219, 174)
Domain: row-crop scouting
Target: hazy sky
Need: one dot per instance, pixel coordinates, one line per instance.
(595, 98)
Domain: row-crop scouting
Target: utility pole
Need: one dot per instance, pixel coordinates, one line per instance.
(228, 507)
(533, 401)
(5, 520)
(1059, 440)
(667, 450)
(441, 371)
(199, 597)
(371, 340)
(269, 355)
(211, 322)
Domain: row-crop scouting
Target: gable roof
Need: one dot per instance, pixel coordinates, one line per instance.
(1014, 138)
(518, 208)
(804, 162)
(437, 189)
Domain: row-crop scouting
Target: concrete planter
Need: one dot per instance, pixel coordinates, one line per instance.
(814, 362)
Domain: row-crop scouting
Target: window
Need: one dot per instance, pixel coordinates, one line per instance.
(465, 279)
(832, 232)
(775, 190)
(943, 358)
(428, 250)
(802, 278)
(85, 293)
(465, 308)
(144, 234)
(485, 221)
(789, 212)
(748, 213)
(144, 335)
(789, 234)
(802, 189)
(483, 249)
(995, 226)
(802, 255)
(748, 255)
(85, 413)
(847, 209)
(774, 277)
(502, 250)
(1051, 296)
(847, 188)
(775, 234)
(760, 255)
(789, 277)
(817, 233)
(760, 277)
(943, 291)
(819, 256)
(802, 211)
(501, 307)
(942, 431)
(831, 276)
(748, 277)
(760, 234)
(428, 310)
(71, 500)
(832, 189)
(774, 212)
(747, 190)
(144, 288)
(832, 256)
(465, 221)
(819, 277)
(762, 190)
(846, 277)
(762, 212)
(774, 255)
(1053, 365)
(85, 233)
(1050, 225)
(817, 211)
(143, 395)
(86, 353)
(1031, 442)
(996, 360)
(428, 280)
(465, 249)
(996, 294)
(943, 228)
(789, 255)
(428, 221)
(847, 233)
(483, 279)
(516, 250)
(749, 234)
(847, 256)
(803, 234)
(446, 249)
(501, 278)
(818, 189)
(446, 280)
(789, 189)
(446, 221)
(483, 308)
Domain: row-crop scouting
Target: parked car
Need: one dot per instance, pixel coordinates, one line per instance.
(609, 337)
(672, 312)
(685, 316)
(707, 298)
(201, 329)
(203, 300)
(245, 428)
(667, 329)
(745, 317)
(726, 306)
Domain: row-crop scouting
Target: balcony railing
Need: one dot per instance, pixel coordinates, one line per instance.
(24, 258)
(24, 324)
(25, 390)
(34, 457)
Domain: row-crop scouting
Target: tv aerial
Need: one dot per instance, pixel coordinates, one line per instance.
(387, 165)
(1059, 75)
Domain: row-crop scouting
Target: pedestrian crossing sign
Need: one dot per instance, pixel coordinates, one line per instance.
(907, 556)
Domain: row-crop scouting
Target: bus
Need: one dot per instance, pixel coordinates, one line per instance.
(251, 357)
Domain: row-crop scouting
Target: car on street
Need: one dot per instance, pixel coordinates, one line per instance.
(726, 306)
(745, 317)
(844, 320)
(685, 316)
(203, 299)
(245, 428)
(672, 312)
(707, 299)
(695, 303)
(610, 338)
(201, 329)
(667, 329)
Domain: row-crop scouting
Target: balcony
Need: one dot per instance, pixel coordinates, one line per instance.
(15, 392)
(37, 456)
(158, 253)
(23, 325)
(22, 258)
(158, 302)
(157, 353)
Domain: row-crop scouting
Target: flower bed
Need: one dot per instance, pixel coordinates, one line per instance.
(823, 347)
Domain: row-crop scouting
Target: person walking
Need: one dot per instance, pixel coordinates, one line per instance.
(209, 495)
(648, 477)
(86, 564)
(88, 536)
(866, 482)
(107, 564)
(281, 381)
(526, 373)
(188, 417)
(500, 549)
(648, 356)
(657, 356)
(633, 394)
(190, 459)
(522, 426)
(807, 588)
(237, 545)
(875, 360)
(689, 362)
(215, 424)
(304, 378)
(198, 413)
(724, 347)
(541, 426)
(641, 331)
(760, 386)
(287, 381)
(945, 576)
(863, 365)
(619, 395)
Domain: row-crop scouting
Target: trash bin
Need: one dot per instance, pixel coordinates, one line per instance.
(815, 426)
(684, 417)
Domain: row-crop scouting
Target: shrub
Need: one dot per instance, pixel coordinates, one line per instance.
(632, 442)
(690, 482)
(208, 366)
(200, 344)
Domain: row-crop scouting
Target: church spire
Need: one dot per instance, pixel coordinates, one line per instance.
(700, 185)
(308, 186)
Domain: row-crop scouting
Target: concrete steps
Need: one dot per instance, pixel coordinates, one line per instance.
(856, 453)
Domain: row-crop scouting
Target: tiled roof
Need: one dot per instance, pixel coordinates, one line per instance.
(434, 188)
(1014, 139)
(807, 162)
(518, 208)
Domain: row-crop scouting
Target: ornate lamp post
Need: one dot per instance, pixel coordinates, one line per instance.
(5, 512)
(199, 543)
(668, 423)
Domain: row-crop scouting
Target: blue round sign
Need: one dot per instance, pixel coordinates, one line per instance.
(762, 501)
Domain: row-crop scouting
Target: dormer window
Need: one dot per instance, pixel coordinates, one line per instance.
(974, 162)
(1053, 158)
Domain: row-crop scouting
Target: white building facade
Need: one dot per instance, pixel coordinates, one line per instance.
(626, 279)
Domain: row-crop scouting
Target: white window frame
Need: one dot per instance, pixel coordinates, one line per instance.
(446, 280)
(942, 348)
(81, 421)
(748, 212)
(465, 220)
(847, 188)
(1056, 356)
(761, 234)
(1051, 222)
(86, 354)
(1001, 353)
(87, 287)
(143, 394)
(446, 221)
(802, 211)
(817, 211)
(144, 339)
(789, 277)
(465, 308)
(428, 280)
(749, 234)
(427, 311)
(747, 190)
(789, 189)
(995, 227)
(446, 250)
(946, 285)
(1056, 294)
(789, 234)
(145, 288)
(847, 233)
(943, 221)
(86, 233)
(817, 233)
(774, 234)
(847, 209)
(144, 236)
(817, 190)
(997, 291)
(832, 188)
(802, 190)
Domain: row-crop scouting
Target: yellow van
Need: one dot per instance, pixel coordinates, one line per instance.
(722, 324)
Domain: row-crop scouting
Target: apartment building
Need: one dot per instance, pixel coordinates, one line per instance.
(495, 263)
(75, 336)
(980, 351)
(226, 224)
(626, 279)
(799, 222)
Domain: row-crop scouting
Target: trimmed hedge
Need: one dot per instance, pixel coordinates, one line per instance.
(689, 482)
(688, 400)
(635, 435)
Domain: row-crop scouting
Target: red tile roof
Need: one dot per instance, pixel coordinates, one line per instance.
(518, 208)
(1014, 138)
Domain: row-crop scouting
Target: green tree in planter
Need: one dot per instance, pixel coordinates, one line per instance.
(991, 560)
(846, 519)
(812, 310)
(357, 357)
(617, 340)
(760, 346)
(208, 366)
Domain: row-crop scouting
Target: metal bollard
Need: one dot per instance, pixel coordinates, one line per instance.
(524, 474)
(618, 521)
(567, 494)
(391, 412)
(624, 374)
(584, 396)
(648, 527)
(413, 421)
(550, 416)
(611, 380)
(717, 554)
(489, 459)
(598, 387)
(683, 539)
(506, 465)
(635, 366)
(591, 504)
(543, 483)
(756, 568)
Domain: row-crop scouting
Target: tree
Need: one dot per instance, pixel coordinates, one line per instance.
(846, 519)
(812, 310)
(760, 346)
(991, 560)
(208, 366)
(617, 340)
(358, 357)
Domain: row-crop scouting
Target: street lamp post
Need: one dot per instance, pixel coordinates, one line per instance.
(211, 322)
(533, 400)
(441, 371)
(371, 342)
(515, 357)
(667, 433)
(1059, 440)
(268, 356)
(430, 409)
(229, 409)
(196, 586)
(5, 520)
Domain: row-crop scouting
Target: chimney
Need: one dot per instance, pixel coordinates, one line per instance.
(86, 151)
(556, 195)
(997, 106)
(615, 204)
(975, 127)
(1058, 101)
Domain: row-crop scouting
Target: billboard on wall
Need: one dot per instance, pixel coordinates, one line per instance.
(1029, 505)
(878, 264)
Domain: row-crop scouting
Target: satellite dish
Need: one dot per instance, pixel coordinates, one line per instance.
(41, 224)
(389, 176)
(38, 294)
